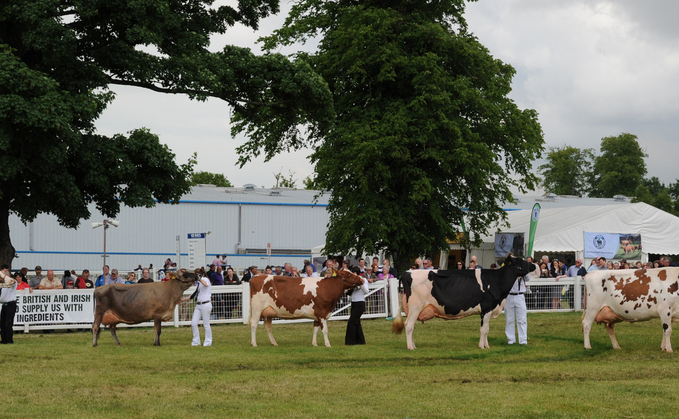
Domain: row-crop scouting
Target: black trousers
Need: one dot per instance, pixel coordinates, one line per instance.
(7, 321)
(354, 334)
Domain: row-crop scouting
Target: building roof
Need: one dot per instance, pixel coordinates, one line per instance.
(250, 194)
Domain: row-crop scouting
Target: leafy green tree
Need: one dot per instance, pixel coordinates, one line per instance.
(565, 172)
(285, 182)
(424, 127)
(620, 168)
(309, 183)
(673, 189)
(207, 178)
(57, 61)
(654, 185)
(664, 202)
(642, 194)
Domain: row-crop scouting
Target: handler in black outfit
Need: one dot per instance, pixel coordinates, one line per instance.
(354, 335)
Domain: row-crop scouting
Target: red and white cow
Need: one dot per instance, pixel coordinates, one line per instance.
(294, 298)
(631, 295)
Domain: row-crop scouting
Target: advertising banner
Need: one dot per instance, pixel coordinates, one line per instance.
(534, 217)
(612, 245)
(509, 243)
(73, 306)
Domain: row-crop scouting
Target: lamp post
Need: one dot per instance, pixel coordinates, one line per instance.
(106, 223)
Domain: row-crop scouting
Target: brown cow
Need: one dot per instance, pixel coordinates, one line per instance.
(137, 303)
(294, 298)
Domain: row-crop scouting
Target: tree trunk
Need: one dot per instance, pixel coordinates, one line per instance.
(7, 252)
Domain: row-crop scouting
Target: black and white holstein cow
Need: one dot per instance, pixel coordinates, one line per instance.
(632, 295)
(456, 294)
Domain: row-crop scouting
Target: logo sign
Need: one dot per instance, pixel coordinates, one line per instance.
(613, 245)
(535, 216)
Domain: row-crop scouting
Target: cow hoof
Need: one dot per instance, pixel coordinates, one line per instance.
(327, 346)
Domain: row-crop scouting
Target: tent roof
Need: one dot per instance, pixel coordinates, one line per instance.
(562, 229)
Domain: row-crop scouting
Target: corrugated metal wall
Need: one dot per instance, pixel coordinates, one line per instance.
(148, 235)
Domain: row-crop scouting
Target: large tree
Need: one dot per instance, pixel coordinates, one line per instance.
(57, 61)
(566, 169)
(620, 168)
(425, 134)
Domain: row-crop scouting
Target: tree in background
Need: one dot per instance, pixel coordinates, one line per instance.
(619, 169)
(285, 182)
(57, 61)
(654, 192)
(424, 127)
(566, 170)
(207, 178)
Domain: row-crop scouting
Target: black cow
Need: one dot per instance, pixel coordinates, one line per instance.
(456, 294)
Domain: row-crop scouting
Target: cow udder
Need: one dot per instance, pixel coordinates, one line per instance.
(608, 316)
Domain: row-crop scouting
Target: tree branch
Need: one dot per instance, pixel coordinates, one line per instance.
(229, 100)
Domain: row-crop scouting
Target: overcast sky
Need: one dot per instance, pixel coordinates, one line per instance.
(590, 68)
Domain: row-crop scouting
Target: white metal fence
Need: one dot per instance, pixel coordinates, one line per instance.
(231, 303)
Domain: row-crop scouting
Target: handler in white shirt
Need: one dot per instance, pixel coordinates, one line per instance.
(515, 310)
(203, 308)
(354, 335)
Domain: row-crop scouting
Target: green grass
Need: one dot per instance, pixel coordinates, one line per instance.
(60, 374)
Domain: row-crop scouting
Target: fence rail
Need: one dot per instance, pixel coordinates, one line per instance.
(231, 304)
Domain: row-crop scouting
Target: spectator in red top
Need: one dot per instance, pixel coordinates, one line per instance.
(83, 281)
(23, 284)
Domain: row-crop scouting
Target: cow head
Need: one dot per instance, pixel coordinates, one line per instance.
(349, 279)
(522, 267)
(185, 279)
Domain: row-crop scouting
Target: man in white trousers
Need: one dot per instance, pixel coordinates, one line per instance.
(203, 296)
(515, 310)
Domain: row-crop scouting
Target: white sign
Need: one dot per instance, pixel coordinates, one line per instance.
(196, 250)
(73, 306)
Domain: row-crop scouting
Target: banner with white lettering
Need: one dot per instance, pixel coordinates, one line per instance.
(71, 306)
(612, 245)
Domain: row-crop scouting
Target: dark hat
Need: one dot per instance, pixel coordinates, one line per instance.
(38, 268)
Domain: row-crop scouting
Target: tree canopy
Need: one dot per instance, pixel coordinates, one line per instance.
(620, 167)
(566, 170)
(425, 133)
(57, 61)
(207, 178)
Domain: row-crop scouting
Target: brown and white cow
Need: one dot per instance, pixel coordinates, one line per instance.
(631, 295)
(456, 294)
(294, 298)
(137, 303)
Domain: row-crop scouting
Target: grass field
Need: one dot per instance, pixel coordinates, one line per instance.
(60, 374)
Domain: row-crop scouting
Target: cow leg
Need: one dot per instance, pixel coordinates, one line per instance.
(317, 325)
(610, 328)
(269, 330)
(413, 313)
(485, 328)
(113, 333)
(254, 321)
(95, 327)
(586, 327)
(324, 326)
(156, 325)
(666, 344)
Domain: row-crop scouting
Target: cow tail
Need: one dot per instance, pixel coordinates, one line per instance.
(397, 326)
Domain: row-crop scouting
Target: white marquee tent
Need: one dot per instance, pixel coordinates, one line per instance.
(561, 230)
